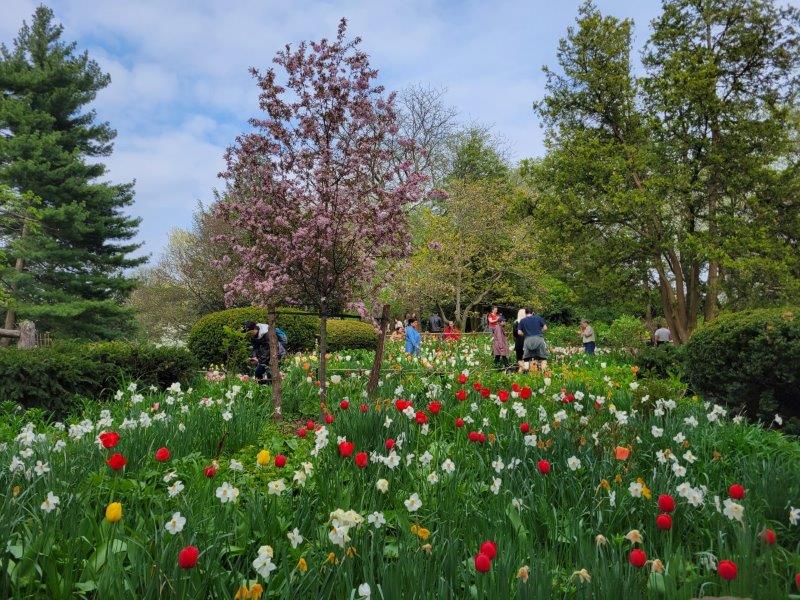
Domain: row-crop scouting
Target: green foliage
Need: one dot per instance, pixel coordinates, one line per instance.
(749, 359)
(211, 343)
(65, 267)
(664, 361)
(52, 378)
(627, 334)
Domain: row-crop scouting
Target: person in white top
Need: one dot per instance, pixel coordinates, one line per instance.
(588, 337)
(662, 336)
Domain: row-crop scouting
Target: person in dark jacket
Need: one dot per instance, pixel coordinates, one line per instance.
(259, 355)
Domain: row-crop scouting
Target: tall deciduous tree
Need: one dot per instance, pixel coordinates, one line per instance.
(314, 197)
(680, 178)
(72, 279)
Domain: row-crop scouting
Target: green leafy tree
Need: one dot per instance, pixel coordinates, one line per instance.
(72, 278)
(675, 182)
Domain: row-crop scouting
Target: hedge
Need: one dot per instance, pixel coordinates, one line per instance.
(52, 378)
(212, 338)
(749, 359)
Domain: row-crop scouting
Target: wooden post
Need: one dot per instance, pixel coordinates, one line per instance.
(26, 335)
(375, 374)
(274, 367)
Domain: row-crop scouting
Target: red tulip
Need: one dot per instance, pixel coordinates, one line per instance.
(727, 569)
(544, 466)
(361, 460)
(459, 422)
(401, 405)
(768, 537)
(515, 387)
(485, 392)
(524, 427)
(109, 439)
(568, 398)
(328, 418)
(489, 548)
(187, 558)
(435, 407)
(280, 461)
(482, 563)
(637, 558)
(421, 417)
(481, 437)
(116, 461)
(310, 425)
(461, 395)
(797, 580)
(664, 521)
(346, 448)
(302, 432)
(462, 379)
(344, 405)
(503, 395)
(477, 386)
(389, 444)
(736, 491)
(210, 471)
(162, 455)
(473, 436)
(525, 393)
(666, 503)
(363, 407)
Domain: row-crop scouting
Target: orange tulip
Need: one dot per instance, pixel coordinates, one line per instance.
(622, 453)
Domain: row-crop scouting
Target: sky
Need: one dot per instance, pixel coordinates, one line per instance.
(180, 89)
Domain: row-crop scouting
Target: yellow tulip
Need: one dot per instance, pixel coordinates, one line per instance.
(262, 458)
(113, 512)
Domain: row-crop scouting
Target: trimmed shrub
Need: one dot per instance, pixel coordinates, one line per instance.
(347, 334)
(663, 361)
(749, 359)
(210, 343)
(52, 378)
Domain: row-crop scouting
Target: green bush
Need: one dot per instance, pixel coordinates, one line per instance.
(211, 344)
(52, 378)
(664, 361)
(749, 359)
(351, 335)
(627, 334)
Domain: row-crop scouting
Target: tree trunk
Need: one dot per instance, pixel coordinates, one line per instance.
(274, 367)
(375, 374)
(11, 315)
(713, 291)
(323, 351)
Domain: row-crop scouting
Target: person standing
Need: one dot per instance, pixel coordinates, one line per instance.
(451, 333)
(499, 344)
(435, 324)
(519, 339)
(532, 328)
(589, 340)
(413, 338)
(662, 335)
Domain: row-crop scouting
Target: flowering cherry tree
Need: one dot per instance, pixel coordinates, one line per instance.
(315, 200)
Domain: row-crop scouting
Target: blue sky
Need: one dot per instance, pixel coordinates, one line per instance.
(180, 90)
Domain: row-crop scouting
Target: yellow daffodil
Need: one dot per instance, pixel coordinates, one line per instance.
(113, 512)
(423, 533)
(604, 484)
(351, 552)
(332, 560)
(16, 490)
(600, 540)
(242, 593)
(302, 565)
(262, 458)
(427, 548)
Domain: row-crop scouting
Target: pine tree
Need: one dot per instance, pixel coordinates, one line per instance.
(68, 274)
